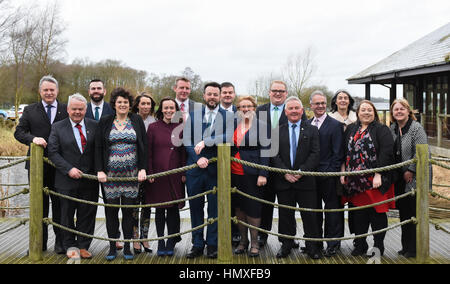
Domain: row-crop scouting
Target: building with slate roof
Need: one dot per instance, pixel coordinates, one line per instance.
(423, 68)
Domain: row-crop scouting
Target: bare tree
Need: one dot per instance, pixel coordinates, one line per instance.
(298, 72)
(47, 42)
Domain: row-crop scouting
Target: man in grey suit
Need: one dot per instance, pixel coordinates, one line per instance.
(71, 149)
(182, 91)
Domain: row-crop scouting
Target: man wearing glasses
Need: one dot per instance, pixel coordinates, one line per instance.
(331, 157)
(273, 115)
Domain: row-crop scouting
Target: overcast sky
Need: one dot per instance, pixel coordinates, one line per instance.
(239, 40)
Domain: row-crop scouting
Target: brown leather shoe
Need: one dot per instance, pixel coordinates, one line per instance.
(85, 254)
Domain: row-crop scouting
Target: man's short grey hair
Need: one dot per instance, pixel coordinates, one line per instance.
(77, 97)
(317, 93)
(48, 78)
(293, 98)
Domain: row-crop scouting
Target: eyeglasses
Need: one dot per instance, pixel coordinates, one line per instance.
(278, 91)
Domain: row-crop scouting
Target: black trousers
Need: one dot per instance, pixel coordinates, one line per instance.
(334, 222)
(364, 218)
(407, 209)
(85, 215)
(172, 219)
(269, 194)
(287, 224)
(112, 218)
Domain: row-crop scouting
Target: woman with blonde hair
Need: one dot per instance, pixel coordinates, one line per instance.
(407, 133)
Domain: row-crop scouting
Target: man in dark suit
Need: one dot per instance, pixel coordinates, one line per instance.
(227, 96)
(299, 150)
(71, 148)
(97, 108)
(331, 158)
(34, 127)
(204, 130)
(273, 115)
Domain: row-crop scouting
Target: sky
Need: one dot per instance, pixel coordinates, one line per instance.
(240, 40)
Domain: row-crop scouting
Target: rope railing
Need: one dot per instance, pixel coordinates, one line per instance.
(9, 165)
(22, 223)
(237, 221)
(24, 191)
(235, 190)
(326, 174)
(438, 227)
(48, 221)
(48, 191)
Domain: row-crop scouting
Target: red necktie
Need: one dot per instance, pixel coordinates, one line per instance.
(83, 139)
(182, 107)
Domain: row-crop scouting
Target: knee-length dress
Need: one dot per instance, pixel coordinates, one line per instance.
(122, 162)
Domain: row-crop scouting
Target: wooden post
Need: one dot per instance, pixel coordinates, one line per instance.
(422, 213)
(439, 130)
(36, 202)
(224, 252)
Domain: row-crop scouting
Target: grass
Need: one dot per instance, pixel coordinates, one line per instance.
(10, 147)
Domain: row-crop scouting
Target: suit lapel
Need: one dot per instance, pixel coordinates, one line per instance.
(43, 113)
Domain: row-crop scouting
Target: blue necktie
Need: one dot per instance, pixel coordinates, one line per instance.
(96, 117)
(49, 112)
(293, 144)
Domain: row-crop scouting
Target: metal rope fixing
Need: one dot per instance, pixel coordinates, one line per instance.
(237, 221)
(235, 190)
(50, 222)
(327, 174)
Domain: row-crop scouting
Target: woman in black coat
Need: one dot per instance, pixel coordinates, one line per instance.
(368, 144)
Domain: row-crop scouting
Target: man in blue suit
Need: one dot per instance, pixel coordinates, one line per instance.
(227, 96)
(204, 130)
(97, 108)
(331, 158)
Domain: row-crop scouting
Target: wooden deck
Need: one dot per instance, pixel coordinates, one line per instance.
(14, 245)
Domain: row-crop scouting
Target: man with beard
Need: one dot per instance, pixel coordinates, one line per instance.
(97, 108)
(204, 130)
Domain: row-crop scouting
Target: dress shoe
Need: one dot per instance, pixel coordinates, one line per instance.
(262, 241)
(359, 250)
(59, 249)
(211, 251)
(127, 254)
(161, 248)
(235, 240)
(137, 250)
(296, 245)
(315, 255)
(409, 254)
(283, 252)
(253, 252)
(146, 249)
(401, 252)
(85, 254)
(170, 245)
(241, 248)
(329, 252)
(111, 255)
(195, 252)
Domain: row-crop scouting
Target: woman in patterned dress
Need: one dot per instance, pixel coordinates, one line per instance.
(368, 144)
(407, 133)
(121, 151)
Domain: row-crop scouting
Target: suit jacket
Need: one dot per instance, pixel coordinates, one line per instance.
(307, 157)
(34, 123)
(193, 133)
(250, 148)
(107, 110)
(64, 152)
(331, 137)
(102, 147)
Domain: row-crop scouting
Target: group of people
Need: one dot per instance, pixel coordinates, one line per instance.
(127, 138)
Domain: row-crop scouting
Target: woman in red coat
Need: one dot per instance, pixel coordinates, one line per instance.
(163, 156)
